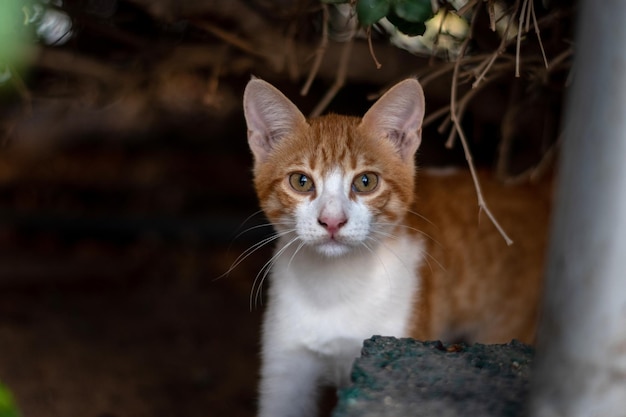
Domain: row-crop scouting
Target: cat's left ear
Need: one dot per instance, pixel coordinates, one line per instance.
(398, 116)
(270, 117)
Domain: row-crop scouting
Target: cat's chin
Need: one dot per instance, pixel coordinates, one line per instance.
(333, 249)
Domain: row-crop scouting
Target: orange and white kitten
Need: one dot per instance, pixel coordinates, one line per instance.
(355, 259)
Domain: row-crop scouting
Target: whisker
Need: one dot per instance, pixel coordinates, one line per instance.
(300, 246)
(428, 255)
(381, 242)
(249, 229)
(258, 226)
(269, 224)
(435, 241)
(259, 244)
(265, 269)
(415, 213)
(245, 254)
(373, 252)
(247, 219)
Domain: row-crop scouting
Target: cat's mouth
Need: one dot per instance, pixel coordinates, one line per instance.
(333, 246)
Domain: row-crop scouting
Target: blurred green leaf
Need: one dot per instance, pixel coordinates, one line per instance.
(413, 10)
(7, 403)
(14, 33)
(371, 11)
(406, 27)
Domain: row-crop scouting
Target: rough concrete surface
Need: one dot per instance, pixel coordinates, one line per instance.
(407, 378)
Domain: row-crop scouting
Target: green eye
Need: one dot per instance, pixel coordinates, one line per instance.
(301, 183)
(365, 182)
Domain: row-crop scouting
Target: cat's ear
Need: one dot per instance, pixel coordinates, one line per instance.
(270, 117)
(398, 116)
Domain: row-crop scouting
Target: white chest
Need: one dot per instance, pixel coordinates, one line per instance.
(330, 305)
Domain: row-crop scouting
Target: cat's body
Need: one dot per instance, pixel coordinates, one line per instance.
(360, 253)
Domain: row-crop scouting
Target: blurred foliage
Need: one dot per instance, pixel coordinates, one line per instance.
(408, 16)
(14, 30)
(23, 23)
(7, 403)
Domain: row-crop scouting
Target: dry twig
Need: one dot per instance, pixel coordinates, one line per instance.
(467, 7)
(492, 15)
(501, 47)
(319, 53)
(538, 33)
(290, 52)
(232, 39)
(482, 205)
(522, 15)
(340, 79)
(526, 13)
(371, 47)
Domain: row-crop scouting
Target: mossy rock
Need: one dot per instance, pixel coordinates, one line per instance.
(408, 378)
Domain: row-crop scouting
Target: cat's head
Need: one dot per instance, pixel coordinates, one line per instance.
(337, 183)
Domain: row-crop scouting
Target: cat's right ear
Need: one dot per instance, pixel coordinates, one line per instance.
(270, 117)
(398, 116)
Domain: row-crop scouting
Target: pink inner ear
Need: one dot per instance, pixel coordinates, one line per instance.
(398, 115)
(270, 116)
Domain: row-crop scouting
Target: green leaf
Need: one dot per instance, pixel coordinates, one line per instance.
(14, 32)
(413, 10)
(7, 404)
(406, 27)
(371, 11)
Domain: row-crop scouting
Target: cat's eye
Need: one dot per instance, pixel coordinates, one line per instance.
(365, 182)
(301, 182)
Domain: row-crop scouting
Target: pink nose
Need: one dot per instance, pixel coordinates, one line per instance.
(332, 224)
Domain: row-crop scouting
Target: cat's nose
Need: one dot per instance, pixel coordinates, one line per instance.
(332, 224)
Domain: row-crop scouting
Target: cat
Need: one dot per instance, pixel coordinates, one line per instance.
(363, 250)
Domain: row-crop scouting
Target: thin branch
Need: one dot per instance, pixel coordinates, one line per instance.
(211, 98)
(436, 115)
(546, 161)
(463, 103)
(527, 19)
(445, 67)
(486, 69)
(522, 15)
(538, 32)
(276, 60)
(371, 47)
(468, 6)
(319, 53)
(501, 47)
(560, 59)
(231, 39)
(340, 79)
(537, 171)
(482, 205)
(438, 71)
(290, 52)
(492, 15)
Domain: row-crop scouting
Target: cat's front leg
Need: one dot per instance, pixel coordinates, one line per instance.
(289, 383)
